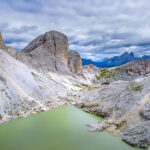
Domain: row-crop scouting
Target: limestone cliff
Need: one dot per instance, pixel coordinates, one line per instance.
(48, 52)
(74, 62)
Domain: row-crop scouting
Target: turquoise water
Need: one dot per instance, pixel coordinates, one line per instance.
(62, 128)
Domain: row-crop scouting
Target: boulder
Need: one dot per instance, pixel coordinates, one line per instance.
(97, 127)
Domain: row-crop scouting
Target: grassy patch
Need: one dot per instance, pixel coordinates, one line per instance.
(92, 105)
(138, 88)
(0, 117)
(105, 74)
(121, 125)
(85, 86)
(97, 77)
(30, 55)
(134, 87)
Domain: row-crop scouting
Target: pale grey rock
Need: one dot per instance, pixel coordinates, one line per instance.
(74, 62)
(122, 101)
(138, 135)
(100, 126)
(145, 112)
(133, 70)
(48, 52)
(90, 72)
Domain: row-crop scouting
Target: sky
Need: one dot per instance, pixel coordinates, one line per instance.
(97, 29)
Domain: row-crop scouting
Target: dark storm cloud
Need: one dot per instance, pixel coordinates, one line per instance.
(97, 29)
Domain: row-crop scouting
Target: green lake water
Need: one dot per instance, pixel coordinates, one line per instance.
(62, 128)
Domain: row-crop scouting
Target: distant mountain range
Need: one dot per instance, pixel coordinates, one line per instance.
(115, 61)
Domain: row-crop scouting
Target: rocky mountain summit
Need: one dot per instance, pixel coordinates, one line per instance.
(115, 61)
(46, 74)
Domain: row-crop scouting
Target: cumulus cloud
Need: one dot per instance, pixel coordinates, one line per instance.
(96, 29)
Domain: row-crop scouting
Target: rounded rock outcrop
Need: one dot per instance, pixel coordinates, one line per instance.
(48, 52)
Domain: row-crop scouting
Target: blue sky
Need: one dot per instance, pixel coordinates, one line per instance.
(95, 28)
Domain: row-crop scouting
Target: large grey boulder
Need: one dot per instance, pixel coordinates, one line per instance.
(74, 62)
(48, 52)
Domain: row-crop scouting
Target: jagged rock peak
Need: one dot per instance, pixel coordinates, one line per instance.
(74, 62)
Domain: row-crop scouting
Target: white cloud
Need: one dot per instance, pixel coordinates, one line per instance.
(102, 28)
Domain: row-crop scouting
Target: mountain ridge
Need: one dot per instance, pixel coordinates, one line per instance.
(116, 60)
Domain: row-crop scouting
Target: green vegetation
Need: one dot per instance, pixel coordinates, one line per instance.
(121, 125)
(30, 55)
(33, 74)
(133, 86)
(85, 86)
(105, 74)
(0, 116)
(138, 88)
(92, 105)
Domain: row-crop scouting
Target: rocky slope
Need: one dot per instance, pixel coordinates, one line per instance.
(30, 84)
(46, 74)
(125, 105)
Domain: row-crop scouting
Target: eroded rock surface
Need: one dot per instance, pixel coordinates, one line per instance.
(48, 52)
(74, 62)
(123, 102)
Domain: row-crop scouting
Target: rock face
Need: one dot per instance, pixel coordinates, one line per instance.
(90, 72)
(2, 45)
(128, 72)
(133, 70)
(74, 62)
(48, 52)
(127, 104)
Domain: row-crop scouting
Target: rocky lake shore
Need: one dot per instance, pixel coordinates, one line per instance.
(46, 74)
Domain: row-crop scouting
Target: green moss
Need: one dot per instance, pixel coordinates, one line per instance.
(30, 55)
(35, 75)
(85, 86)
(105, 74)
(78, 85)
(97, 77)
(92, 105)
(121, 125)
(134, 87)
(138, 88)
